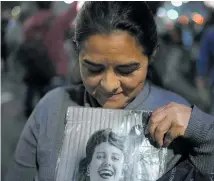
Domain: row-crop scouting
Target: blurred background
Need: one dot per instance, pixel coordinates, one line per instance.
(181, 65)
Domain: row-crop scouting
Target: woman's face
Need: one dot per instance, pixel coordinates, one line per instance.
(113, 68)
(107, 163)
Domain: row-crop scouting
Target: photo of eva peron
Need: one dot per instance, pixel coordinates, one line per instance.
(111, 156)
(105, 157)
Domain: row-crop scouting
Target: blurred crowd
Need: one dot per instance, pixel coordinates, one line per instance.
(37, 45)
(184, 63)
(36, 42)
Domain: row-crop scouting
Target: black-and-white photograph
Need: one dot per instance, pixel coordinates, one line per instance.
(113, 148)
(105, 157)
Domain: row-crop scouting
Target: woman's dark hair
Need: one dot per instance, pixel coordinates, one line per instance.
(96, 139)
(104, 17)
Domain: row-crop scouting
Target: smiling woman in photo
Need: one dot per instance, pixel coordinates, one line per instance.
(104, 157)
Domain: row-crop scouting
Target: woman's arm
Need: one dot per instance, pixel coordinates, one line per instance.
(24, 164)
(200, 131)
(177, 120)
(38, 136)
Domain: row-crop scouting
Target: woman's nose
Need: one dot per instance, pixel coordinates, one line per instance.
(110, 82)
(108, 161)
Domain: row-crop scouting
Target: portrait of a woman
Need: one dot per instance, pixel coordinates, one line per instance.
(104, 157)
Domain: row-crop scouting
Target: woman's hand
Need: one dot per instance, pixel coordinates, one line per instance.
(169, 122)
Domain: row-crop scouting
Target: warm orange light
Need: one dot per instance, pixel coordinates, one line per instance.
(183, 19)
(197, 18)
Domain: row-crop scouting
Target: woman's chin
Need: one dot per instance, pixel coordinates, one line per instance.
(113, 105)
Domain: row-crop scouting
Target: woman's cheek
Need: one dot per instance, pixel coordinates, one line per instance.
(129, 83)
(88, 78)
(133, 81)
(139, 77)
(93, 81)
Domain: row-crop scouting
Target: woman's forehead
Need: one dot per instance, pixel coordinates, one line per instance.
(105, 146)
(117, 46)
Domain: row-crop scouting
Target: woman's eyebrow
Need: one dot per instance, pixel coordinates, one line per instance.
(99, 152)
(116, 153)
(133, 64)
(89, 62)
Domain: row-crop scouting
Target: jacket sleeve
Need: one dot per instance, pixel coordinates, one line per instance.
(200, 132)
(24, 166)
(24, 163)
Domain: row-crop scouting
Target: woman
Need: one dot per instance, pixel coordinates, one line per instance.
(104, 157)
(115, 42)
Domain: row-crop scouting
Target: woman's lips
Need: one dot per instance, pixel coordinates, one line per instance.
(110, 97)
(106, 173)
(114, 96)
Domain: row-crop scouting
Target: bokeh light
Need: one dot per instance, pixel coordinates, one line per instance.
(176, 3)
(197, 18)
(183, 19)
(161, 12)
(172, 14)
(15, 11)
(68, 1)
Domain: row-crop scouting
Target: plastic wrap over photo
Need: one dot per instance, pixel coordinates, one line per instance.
(110, 145)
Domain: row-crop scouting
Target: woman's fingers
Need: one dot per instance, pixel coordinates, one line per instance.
(169, 122)
(160, 131)
(154, 122)
(158, 110)
(172, 134)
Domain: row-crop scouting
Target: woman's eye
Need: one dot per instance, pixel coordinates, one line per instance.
(100, 156)
(95, 70)
(125, 71)
(115, 158)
